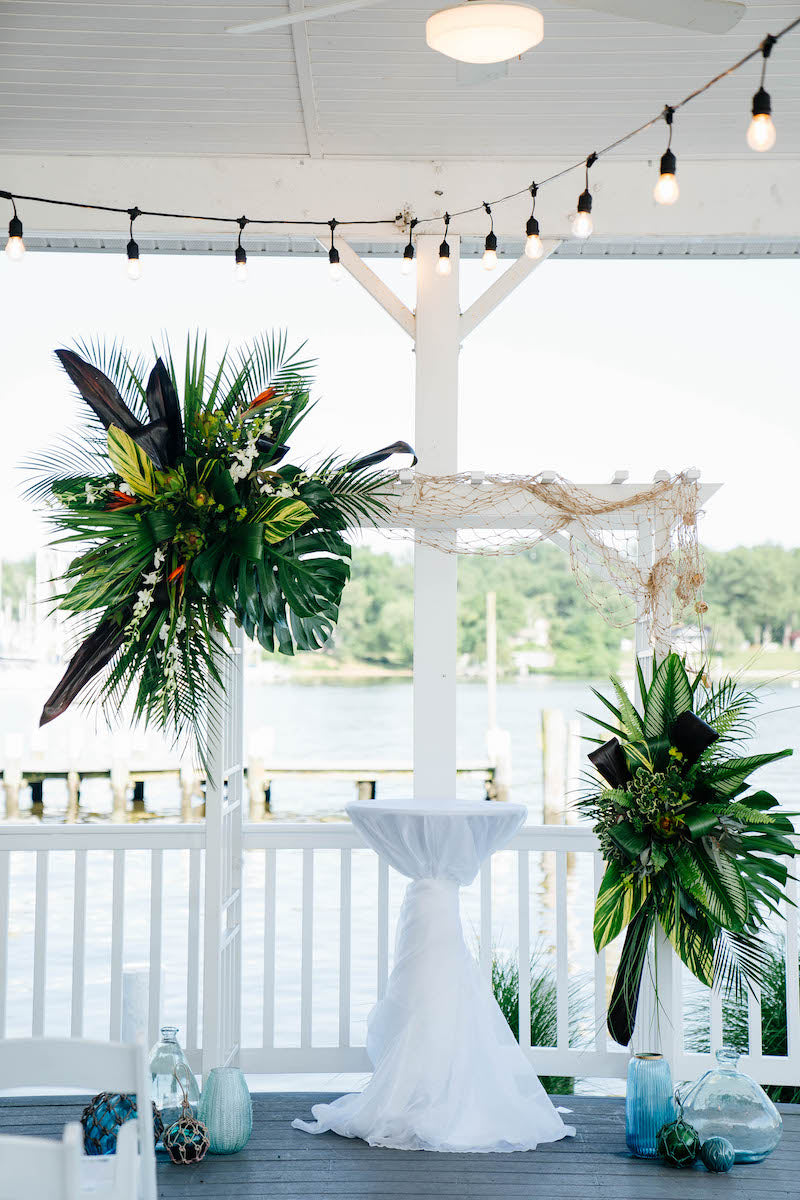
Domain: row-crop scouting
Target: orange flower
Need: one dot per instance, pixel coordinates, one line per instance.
(262, 398)
(177, 573)
(121, 500)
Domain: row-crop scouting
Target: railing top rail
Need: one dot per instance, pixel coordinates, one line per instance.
(29, 835)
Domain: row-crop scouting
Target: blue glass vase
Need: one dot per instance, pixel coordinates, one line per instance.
(649, 1103)
(226, 1110)
(729, 1104)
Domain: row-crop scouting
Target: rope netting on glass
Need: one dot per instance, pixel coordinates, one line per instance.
(635, 553)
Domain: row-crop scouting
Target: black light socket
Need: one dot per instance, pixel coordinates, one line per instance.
(444, 250)
(491, 241)
(585, 203)
(669, 163)
(241, 256)
(762, 105)
(333, 256)
(408, 253)
(532, 228)
(15, 227)
(133, 251)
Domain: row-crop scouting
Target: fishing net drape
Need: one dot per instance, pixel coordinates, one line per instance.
(640, 546)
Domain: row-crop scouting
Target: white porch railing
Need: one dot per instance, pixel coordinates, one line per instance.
(78, 903)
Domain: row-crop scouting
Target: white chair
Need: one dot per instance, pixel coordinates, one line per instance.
(48, 1170)
(95, 1066)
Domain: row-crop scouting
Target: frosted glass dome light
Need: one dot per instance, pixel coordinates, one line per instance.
(485, 31)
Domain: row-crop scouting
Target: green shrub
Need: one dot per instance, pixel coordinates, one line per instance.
(734, 1023)
(505, 985)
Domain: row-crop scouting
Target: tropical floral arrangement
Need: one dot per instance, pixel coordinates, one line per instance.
(185, 512)
(688, 846)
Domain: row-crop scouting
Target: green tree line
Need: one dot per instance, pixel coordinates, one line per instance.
(753, 596)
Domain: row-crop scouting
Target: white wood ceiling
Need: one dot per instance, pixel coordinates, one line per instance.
(164, 78)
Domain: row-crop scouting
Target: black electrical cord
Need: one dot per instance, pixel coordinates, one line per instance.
(764, 48)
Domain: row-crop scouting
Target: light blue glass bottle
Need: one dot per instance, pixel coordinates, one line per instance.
(727, 1103)
(226, 1110)
(649, 1103)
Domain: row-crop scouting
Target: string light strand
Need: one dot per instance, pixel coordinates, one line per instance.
(762, 119)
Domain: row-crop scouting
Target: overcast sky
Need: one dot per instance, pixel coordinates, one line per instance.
(588, 368)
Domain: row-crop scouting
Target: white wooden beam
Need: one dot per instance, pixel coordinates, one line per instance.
(497, 292)
(435, 571)
(751, 197)
(305, 80)
(380, 292)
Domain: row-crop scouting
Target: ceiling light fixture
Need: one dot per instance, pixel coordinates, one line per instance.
(485, 31)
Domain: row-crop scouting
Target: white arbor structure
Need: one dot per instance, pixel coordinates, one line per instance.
(354, 117)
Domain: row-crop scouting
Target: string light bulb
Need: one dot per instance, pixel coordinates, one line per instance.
(443, 265)
(335, 269)
(533, 243)
(582, 224)
(666, 190)
(240, 256)
(490, 245)
(134, 267)
(761, 133)
(15, 247)
(408, 253)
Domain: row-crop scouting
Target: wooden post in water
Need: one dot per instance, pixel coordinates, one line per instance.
(73, 794)
(574, 745)
(554, 762)
(491, 659)
(256, 787)
(188, 787)
(12, 775)
(366, 789)
(120, 779)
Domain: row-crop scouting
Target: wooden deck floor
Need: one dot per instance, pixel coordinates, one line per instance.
(282, 1162)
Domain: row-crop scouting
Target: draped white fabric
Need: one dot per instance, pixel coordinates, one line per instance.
(449, 1074)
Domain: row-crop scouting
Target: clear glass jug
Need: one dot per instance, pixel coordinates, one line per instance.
(165, 1056)
(727, 1103)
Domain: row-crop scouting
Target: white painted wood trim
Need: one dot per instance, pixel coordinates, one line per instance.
(305, 79)
(380, 292)
(499, 290)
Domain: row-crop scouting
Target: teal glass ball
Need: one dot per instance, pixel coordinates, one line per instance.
(678, 1144)
(717, 1154)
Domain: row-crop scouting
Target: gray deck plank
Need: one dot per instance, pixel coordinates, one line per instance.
(287, 1164)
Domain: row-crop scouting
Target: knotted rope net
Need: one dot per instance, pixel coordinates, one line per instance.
(636, 548)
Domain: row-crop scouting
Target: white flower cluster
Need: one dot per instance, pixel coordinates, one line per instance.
(245, 456)
(144, 597)
(171, 654)
(284, 490)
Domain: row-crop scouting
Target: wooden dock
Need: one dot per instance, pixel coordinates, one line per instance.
(128, 783)
(281, 1162)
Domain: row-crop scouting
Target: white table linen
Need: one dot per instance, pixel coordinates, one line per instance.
(448, 1073)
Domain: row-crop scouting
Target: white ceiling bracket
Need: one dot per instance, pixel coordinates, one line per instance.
(494, 295)
(380, 292)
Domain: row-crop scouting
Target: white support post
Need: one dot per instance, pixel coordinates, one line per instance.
(656, 1024)
(223, 854)
(435, 571)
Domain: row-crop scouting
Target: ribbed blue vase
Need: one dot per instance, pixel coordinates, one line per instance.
(226, 1110)
(649, 1103)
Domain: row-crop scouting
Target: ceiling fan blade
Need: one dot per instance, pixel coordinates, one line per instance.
(302, 14)
(704, 16)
